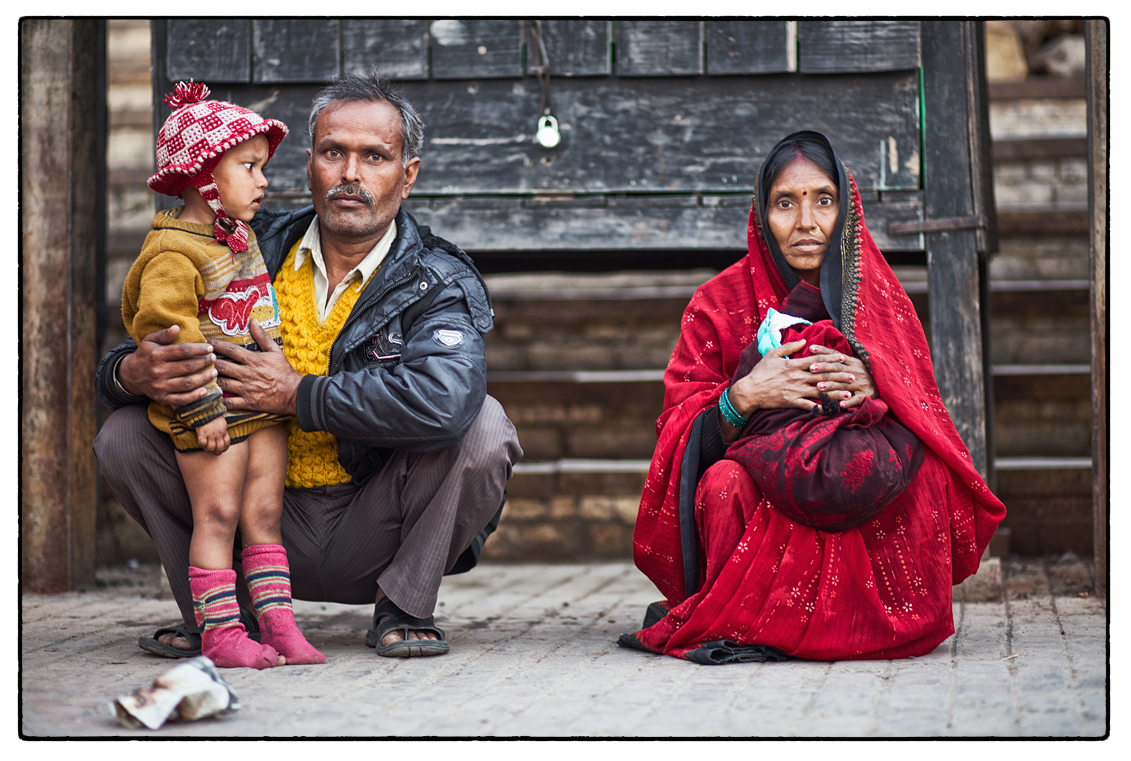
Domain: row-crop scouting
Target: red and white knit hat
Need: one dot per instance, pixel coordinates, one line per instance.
(193, 139)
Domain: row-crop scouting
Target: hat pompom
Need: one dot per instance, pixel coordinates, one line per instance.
(187, 94)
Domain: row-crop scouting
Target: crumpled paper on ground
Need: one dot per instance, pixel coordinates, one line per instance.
(191, 690)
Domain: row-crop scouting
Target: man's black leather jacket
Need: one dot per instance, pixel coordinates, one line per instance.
(407, 370)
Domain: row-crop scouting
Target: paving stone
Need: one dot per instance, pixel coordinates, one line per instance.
(534, 654)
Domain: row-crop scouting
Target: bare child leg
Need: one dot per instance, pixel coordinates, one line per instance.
(265, 566)
(215, 486)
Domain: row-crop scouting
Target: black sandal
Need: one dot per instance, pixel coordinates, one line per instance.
(387, 617)
(157, 647)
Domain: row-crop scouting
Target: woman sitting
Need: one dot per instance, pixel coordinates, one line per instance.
(834, 554)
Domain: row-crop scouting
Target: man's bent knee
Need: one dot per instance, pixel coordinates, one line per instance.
(126, 425)
(492, 437)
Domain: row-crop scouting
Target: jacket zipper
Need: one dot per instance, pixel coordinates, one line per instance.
(356, 314)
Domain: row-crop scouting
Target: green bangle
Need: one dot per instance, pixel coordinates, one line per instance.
(730, 414)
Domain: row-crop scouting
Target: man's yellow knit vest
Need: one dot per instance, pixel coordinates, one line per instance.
(312, 457)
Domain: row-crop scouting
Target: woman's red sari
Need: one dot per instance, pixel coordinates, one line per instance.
(881, 590)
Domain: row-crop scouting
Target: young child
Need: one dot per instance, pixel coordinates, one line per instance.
(201, 269)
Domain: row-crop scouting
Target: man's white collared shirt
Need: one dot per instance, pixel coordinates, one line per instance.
(312, 245)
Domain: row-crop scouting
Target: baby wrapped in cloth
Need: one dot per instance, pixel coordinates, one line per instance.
(828, 468)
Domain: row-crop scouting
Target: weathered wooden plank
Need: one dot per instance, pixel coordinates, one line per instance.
(289, 104)
(953, 262)
(654, 135)
(647, 48)
(575, 47)
(633, 135)
(982, 172)
(636, 135)
(555, 228)
(1096, 36)
(854, 45)
(396, 48)
(980, 146)
(295, 50)
(593, 223)
(476, 48)
(61, 81)
(209, 50)
(879, 216)
(745, 46)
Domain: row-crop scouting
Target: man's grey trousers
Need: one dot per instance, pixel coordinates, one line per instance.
(402, 529)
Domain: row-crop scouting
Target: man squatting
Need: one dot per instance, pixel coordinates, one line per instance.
(397, 458)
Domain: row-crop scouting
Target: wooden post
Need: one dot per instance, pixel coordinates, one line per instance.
(62, 150)
(1096, 34)
(955, 137)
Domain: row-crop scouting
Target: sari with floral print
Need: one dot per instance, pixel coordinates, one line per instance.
(742, 580)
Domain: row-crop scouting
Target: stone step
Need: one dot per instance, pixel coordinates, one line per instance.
(559, 509)
(1039, 369)
(569, 508)
(1041, 327)
(1039, 409)
(1042, 463)
(587, 322)
(1055, 421)
(657, 374)
(1039, 148)
(576, 376)
(572, 466)
(566, 419)
(1040, 257)
(1048, 503)
(606, 286)
(1046, 285)
(1038, 88)
(1043, 220)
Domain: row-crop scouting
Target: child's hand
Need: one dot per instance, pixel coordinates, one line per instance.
(213, 436)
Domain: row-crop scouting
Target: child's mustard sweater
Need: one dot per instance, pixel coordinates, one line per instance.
(184, 277)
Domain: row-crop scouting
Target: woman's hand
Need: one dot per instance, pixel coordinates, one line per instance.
(778, 382)
(775, 382)
(830, 367)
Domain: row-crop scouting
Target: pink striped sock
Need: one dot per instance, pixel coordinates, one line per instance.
(268, 578)
(222, 637)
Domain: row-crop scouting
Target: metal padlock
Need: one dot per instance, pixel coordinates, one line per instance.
(547, 134)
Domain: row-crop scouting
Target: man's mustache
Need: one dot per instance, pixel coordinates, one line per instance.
(351, 189)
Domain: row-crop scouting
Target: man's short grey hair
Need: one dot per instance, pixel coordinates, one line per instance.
(371, 89)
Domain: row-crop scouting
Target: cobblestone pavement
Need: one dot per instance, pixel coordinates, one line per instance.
(534, 655)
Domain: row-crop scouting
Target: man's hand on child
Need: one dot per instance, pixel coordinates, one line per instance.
(262, 380)
(213, 436)
(166, 372)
